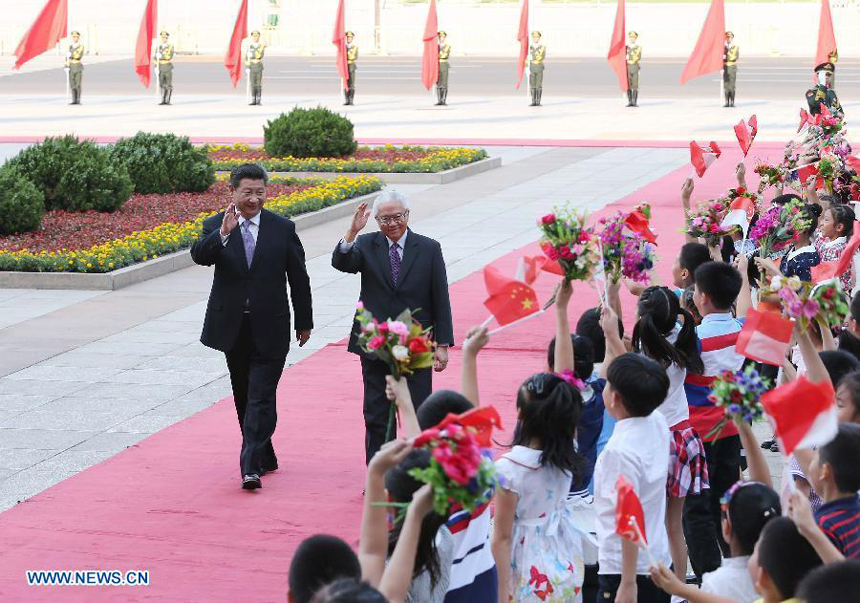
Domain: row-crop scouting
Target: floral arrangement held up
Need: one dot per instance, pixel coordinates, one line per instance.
(566, 240)
(779, 227)
(403, 344)
(705, 221)
(461, 468)
(623, 254)
(769, 175)
(739, 394)
(806, 302)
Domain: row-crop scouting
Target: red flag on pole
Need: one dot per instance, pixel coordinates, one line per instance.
(636, 224)
(804, 172)
(826, 37)
(708, 54)
(48, 29)
(629, 516)
(838, 267)
(617, 56)
(529, 267)
(803, 414)
(509, 300)
(233, 58)
(746, 133)
(523, 39)
(339, 40)
(430, 61)
(143, 50)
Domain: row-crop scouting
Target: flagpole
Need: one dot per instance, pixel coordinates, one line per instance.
(644, 544)
(516, 322)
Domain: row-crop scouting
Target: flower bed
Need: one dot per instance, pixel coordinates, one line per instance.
(151, 225)
(388, 158)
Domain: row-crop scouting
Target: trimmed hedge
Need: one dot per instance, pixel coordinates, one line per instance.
(74, 175)
(309, 133)
(22, 205)
(164, 163)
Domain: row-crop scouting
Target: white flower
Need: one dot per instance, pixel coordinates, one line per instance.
(400, 352)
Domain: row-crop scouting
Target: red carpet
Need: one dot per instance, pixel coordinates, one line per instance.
(172, 505)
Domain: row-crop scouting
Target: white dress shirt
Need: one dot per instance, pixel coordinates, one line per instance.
(638, 450)
(254, 229)
(345, 245)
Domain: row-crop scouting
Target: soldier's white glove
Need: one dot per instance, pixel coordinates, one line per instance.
(247, 71)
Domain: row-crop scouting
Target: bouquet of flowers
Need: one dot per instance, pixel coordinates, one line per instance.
(704, 222)
(403, 344)
(625, 255)
(566, 240)
(769, 175)
(779, 227)
(739, 394)
(806, 302)
(461, 467)
(829, 166)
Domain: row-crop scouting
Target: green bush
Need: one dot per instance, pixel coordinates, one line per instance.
(22, 205)
(74, 175)
(164, 163)
(309, 133)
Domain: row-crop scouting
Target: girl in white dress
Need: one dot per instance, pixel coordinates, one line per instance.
(538, 535)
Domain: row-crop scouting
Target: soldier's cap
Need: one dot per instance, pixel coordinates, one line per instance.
(728, 33)
(164, 33)
(349, 33)
(255, 33)
(76, 33)
(442, 32)
(536, 32)
(633, 33)
(826, 66)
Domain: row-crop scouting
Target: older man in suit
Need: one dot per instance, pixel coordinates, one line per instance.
(400, 270)
(255, 252)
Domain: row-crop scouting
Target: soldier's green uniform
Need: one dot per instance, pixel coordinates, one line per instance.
(351, 58)
(731, 53)
(254, 61)
(442, 80)
(164, 59)
(833, 57)
(76, 68)
(537, 54)
(634, 55)
(824, 93)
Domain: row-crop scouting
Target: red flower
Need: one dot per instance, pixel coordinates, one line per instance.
(548, 219)
(736, 396)
(565, 253)
(740, 190)
(418, 346)
(459, 465)
(583, 236)
(729, 376)
(383, 327)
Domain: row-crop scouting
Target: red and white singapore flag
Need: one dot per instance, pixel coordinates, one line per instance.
(765, 336)
(741, 212)
(702, 158)
(803, 414)
(746, 131)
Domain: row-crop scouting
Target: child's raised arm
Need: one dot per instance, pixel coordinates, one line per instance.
(800, 512)
(614, 345)
(759, 471)
(398, 392)
(744, 302)
(563, 359)
(476, 339)
(373, 537)
(686, 193)
(398, 575)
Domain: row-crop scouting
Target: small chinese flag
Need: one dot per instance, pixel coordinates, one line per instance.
(629, 514)
(765, 337)
(803, 414)
(804, 119)
(509, 300)
(636, 224)
(838, 267)
(803, 173)
(480, 421)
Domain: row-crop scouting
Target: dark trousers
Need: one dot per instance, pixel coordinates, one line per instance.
(702, 511)
(377, 406)
(646, 590)
(255, 381)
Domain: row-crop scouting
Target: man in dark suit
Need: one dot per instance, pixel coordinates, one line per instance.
(255, 252)
(400, 270)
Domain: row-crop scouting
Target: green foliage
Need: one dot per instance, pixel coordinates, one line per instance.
(22, 205)
(164, 163)
(309, 133)
(74, 175)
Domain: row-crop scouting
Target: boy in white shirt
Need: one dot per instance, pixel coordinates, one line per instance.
(639, 451)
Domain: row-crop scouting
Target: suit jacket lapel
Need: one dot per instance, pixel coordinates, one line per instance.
(409, 254)
(381, 244)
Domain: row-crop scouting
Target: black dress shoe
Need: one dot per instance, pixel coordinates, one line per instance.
(269, 468)
(251, 482)
(767, 444)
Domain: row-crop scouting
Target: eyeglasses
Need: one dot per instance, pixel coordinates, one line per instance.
(395, 219)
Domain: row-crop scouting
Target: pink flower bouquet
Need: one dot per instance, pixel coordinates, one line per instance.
(769, 175)
(806, 302)
(623, 254)
(779, 227)
(704, 222)
(567, 241)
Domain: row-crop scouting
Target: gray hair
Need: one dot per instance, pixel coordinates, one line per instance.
(388, 196)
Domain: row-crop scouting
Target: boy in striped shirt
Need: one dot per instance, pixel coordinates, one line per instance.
(717, 286)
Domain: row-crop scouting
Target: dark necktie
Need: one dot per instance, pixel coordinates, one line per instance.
(395, 262)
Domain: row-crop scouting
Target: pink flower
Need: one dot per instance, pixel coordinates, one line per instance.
(359, 306)
(810, 309)
(548, 219)
(583, 237)
(376, 342)
(399, 328)
(460, 466)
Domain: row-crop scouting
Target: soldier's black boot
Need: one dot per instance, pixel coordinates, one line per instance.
(259, 97)
(534, 96)
(635, 98)
(733, 99)
(629, 97)
(438, 96)
(445, 96)
(538, 94)
(169, 96)
(727, 95)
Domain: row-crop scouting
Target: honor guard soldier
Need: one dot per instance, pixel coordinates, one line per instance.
(351, 58)
(634, 55)
(442, 79)
(75, 67)
(164, 60)
(823, 91)
(730, 69)
(537, 54)
(254, 62)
